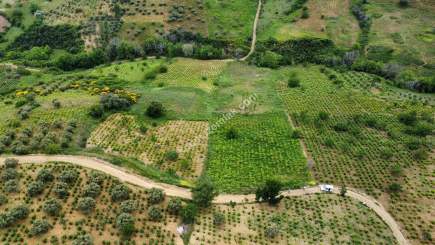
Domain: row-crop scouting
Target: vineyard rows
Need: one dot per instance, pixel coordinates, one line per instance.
(121, 134)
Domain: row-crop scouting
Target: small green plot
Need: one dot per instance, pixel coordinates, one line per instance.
(247, 150)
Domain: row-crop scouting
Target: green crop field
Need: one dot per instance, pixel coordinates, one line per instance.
(191, 73)
(240, 118)
(263, 148)
(231, 20)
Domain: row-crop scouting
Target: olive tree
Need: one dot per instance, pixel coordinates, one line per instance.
(125, 224)
(92, 190)
(39, 227)
(120, 193)
(35, 188)
(204, 192)
(52, 207)
(86, 205)
(156, 196)
(174, 205)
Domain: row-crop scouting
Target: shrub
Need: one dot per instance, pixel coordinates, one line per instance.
(35, 188)
(86, 205)
(396, 170)
(45, 175)
(341, 127)
(120, 193)
(69, 176)
(269, 59)
(420, 154)
(155, 110)
(11, 185)
(6, 220)
(218, 219)
(9, 173)
(271, 231)
(408, 118)
(171, 156)
(125, 224)
(156, 196)
(394, 188)
(231, 134)
(84, 239)
(96, 111)
(174, 205)
(188, 213)
(56, 103)
(61, 190)
(96, 177)
(204, 192)
(11, 163)
(296, 134)
(92, 190)
(52, 207)
(113, 102)
(293, 82)
(324, 116)
(154, 213)
(403, 3)
(39, 227)
(269, 192)
(3, 200)
(20, 212)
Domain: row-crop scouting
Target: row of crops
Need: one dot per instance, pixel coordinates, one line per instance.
(76, 203)
(261, 147)
(316, 219)
(359, 138)
(192, 73)
(178, 146)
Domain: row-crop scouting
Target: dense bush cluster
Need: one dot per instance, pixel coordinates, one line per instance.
(65, 37)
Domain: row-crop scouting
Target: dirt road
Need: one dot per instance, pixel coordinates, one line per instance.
(171, 190)
(254, 31)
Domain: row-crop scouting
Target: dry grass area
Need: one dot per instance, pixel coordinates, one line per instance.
(100, 223)
(409, 31)
(121, 134)
(330, 19)
(311, 219)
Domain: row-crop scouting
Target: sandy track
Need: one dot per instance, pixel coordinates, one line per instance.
(254, 31)
(171, 190)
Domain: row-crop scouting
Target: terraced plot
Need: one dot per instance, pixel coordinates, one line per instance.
(179, 146)
(261, 148)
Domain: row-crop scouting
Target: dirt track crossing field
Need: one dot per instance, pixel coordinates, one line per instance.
(171, 190)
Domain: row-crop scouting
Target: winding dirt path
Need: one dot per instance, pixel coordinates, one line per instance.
(254, 31)
(171, 190)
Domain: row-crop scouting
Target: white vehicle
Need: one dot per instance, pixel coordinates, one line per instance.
(326, 188)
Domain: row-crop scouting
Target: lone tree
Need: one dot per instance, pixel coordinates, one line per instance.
(52, 207)
(204, 192)
(155, 110)
(86, 205)
(343, 190)
(269, 192)
(125, 224)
